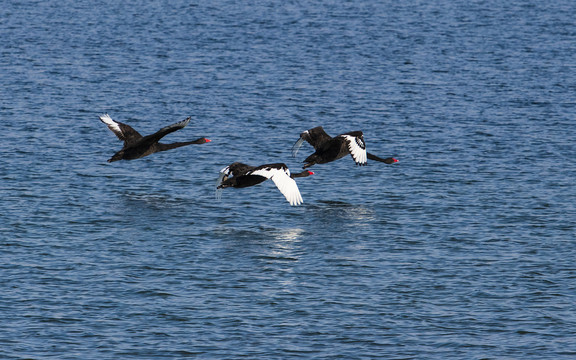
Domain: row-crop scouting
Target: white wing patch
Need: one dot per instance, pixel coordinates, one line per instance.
(283, 182)
(224, 173)
(297, 146)
(357, 148)
(112, 125)
(226, 170)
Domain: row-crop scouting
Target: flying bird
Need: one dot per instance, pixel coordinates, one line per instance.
(333, 148)
(245, 175)
(137, 146)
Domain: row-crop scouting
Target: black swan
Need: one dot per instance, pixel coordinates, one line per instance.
(333, 148)
(137, 146)
(245, 175)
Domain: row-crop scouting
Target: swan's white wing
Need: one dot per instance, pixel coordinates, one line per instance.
(283, 181)
(112, 125)
(357, 148)
(224, 173)
(297, 146)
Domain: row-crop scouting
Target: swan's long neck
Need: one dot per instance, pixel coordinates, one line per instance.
(164, 147)
(301, 174)
(388, 160)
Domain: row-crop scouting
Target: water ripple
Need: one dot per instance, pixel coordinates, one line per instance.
(462, 249)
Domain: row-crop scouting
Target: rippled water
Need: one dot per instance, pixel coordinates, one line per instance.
(464, 249)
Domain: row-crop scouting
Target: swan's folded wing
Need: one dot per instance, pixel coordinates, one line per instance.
(315, 136)
(238, 168)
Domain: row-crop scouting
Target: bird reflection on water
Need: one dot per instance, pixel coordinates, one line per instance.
(335, 211)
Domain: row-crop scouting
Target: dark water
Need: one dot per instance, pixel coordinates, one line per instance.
(464, 249)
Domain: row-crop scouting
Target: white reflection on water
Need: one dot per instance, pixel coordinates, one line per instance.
(149, 200)
(271, 243)
(285, 243)
(288, 235)
(360, 213)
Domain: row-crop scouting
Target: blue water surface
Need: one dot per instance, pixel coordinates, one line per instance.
(464, 249)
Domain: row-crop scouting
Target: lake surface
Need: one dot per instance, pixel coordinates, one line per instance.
(465, 249)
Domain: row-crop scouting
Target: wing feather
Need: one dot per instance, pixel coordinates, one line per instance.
(282, 180)
(223, 176)
(297, 146)
(315, 137)
(166, 130)
(112, 125)
(357, 148)
(122, 131)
